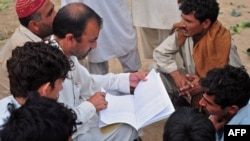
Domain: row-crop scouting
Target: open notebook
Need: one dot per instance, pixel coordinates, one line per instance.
(150, 103)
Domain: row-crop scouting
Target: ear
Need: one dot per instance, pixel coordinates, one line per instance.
(69, 37)
(233, 109)
(206, 24)
(34, 26)
(44, 89)
(69, 41)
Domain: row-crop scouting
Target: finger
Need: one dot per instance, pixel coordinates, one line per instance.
(184, 93)
(103, 94)
(186, 87)
(189, 78)
(105, 104)
(144, 76)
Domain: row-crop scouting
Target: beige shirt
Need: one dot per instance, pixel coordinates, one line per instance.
(165, 56)
(19, 37)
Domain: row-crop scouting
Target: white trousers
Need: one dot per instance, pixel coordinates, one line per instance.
(122, 132)
(130, 63)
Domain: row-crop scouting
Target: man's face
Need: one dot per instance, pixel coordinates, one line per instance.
(208, 104)
(88, 40)
(190, 25)
(53, 93)
(47, 13)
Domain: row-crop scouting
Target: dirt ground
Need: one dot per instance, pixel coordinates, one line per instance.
(8, 23)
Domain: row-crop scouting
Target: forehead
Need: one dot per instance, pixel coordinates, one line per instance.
(92, 28)
(189, 17)
(209, 99)
(46, 7)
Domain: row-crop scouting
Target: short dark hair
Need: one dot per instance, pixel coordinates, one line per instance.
(229, 86)
(188, 124)
(203, 9)
(73, 18)
(35, 64)
(39, 119)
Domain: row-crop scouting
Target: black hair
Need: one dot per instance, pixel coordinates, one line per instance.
(187, 124)
(228, 85)
(35, 64)
(73, 18)
(202, 9)
(39, 119)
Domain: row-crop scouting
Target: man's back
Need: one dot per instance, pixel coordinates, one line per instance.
(35, 17)
(19, 37)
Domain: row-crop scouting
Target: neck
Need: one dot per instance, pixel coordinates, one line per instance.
(20, 100)
(62, 46)
(198, 36)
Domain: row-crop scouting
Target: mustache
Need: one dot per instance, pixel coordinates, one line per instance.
(183, 28)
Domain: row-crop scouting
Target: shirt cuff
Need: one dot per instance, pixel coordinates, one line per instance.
(124, 85)
(85, 111)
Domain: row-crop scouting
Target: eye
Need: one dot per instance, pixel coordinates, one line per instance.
(92, 41)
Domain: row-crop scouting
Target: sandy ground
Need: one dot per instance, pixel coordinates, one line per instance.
(8, 22)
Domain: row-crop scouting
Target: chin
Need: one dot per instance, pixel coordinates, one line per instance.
(187, 35)
(80, 57)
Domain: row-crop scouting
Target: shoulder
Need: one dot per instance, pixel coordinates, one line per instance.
(17, 39)
(4, 112)
(5, 101)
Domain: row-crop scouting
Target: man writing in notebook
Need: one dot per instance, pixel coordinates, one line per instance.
(76, 29)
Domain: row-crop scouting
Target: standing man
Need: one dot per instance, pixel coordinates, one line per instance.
(35, 17)
(155, 19)
(76, 28)
(226, 97)
(203, 42)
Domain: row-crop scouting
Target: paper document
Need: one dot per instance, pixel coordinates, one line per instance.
(150, 103)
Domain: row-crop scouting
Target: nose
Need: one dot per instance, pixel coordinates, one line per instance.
(93, 45)
(183, 23)
(61, 87)
(54, 14)
(202, 102)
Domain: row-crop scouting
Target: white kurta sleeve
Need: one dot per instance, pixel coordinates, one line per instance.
(80, 85)
(114, 82)
(85, 111)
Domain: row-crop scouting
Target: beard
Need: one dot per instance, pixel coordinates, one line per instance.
(47, 31)
(82, 56)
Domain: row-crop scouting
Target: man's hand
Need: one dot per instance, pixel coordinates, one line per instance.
(196, 87)
(98, 100)
(181, 82)
(217, 121)
(136, 77)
